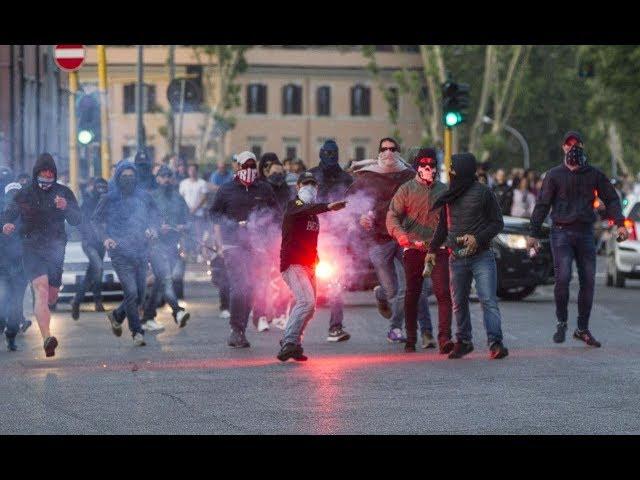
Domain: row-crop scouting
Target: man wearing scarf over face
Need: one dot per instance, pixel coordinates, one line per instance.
(470, 219)
(333, 183)
(236, 205)
(569, 191)
(378, 183)
(126, 220)
(413, 224)
(43, 207)
(94, 250)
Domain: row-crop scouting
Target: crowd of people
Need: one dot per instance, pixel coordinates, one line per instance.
(263, 222)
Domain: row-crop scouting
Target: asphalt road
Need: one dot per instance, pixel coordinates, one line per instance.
(189, 382)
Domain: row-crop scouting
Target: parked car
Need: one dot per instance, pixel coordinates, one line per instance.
(623, 258)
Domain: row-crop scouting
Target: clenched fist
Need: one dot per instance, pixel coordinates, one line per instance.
(8, 228)
(61, 202)
(109, 244)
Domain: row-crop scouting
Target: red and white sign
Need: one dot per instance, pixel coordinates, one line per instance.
(69, 57)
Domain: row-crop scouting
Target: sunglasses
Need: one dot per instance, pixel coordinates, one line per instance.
(384, 149)
(247, 165)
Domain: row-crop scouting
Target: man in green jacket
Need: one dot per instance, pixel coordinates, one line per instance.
(412, 224)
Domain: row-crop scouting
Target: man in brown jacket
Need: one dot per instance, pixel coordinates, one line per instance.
(412, 224)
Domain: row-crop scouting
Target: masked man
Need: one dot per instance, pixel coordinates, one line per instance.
(43, 208)
(298, 260)
(164, 253)
(568, 191)
(412, 223)
(469, 220)
(236, 206)
(126, 220)
(94, 250)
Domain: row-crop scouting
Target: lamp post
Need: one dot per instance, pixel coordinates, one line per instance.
(518, 135)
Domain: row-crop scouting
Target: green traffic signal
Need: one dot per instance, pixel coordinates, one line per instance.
(451, 119)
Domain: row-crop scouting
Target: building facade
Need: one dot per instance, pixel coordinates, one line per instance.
(292, 99)
(34, 104)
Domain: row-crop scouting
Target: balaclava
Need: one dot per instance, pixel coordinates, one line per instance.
(329, 157)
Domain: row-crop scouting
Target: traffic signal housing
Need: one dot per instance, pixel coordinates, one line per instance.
(88, 115)
(455, 100)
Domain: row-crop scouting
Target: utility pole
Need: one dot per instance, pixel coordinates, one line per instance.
(448, 141)
(171, 131)
(105, 138)
(139, 99)
(73, 134)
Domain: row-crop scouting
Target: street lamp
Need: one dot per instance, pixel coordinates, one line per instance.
(518, 135)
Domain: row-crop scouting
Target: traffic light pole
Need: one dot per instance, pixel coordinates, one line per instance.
(105, 154)
(73, 133)
(448, 142)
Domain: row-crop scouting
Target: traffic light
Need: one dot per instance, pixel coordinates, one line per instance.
(88, 114)
(455, 99)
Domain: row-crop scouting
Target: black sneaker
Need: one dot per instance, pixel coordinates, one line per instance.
(586, 337)
(116, 326)
(446, 347)
(50, 345)
(497, 350)
(561, 332)
(299, 356)
(383, 306)
(75, 310)
(238, 340)
(11, 344)
(289, 350)
(460, 349)
(337, 334)
(99, 306)
(409, 347)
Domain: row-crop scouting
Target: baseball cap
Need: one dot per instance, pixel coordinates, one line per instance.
(12, 186)
(307, 177)
(572, 134)
(164, 171)
(244, 156)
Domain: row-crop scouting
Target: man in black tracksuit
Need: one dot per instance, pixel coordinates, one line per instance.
(298, 260)
(469, 220)
(93, 249)
(237, 206)
(43, 207)
(569, 191)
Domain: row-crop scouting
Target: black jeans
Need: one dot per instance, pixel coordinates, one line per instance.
(567, 245)
(413, 260)
(221, 280)
(240, 262)
(13, 284)
(132, 273)
(93, 275)
(163, 259)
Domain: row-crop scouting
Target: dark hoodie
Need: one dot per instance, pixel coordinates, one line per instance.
(125, 218)
(333, 182)
(89, 235)
(42, 221)
(469, 207)
(10, 245)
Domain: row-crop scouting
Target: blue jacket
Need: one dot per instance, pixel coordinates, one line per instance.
(125, 218)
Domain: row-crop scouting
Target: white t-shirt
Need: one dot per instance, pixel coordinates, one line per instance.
(193, 193)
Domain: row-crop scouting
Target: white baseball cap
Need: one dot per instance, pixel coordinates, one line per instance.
(244, 156)
(12, 186)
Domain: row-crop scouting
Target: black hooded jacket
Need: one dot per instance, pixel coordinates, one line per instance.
(87, 230)
(42, 222)
(332, 183)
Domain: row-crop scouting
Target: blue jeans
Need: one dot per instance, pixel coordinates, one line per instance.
(302, 282)
(163, 259)
(481, 268)
(13, 284)
(132, 273)
(386, 259)
(567, 245)
(93, 275)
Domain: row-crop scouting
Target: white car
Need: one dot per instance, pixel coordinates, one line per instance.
(623, 258)
(75, 267)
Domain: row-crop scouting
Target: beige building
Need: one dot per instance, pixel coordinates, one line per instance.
(292, 99)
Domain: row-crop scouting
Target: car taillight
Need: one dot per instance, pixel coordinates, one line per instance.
(630, 225)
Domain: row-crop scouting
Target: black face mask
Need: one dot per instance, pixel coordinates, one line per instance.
(127, 184)
(575, 157)
(97, 192)
(277, 179)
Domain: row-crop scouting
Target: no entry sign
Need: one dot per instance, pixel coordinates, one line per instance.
(69, 57)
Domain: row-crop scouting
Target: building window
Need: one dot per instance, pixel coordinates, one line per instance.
(291, 100)
(360, 153)
(393, 100)
(148, 95)
(257, 150)
(323, 97)
(360, 100)
(129, 151)
(187, 153)
(256, 98)
(194, 74)
(291, 152)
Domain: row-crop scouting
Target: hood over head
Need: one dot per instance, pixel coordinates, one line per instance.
(45, 162)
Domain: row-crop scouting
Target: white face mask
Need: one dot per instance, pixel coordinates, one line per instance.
(308, 193)
(247, 175)
(387, 159)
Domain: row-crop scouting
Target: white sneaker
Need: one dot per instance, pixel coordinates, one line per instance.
(280, 322)
(181, 318)
(225, 314)
(152, 326)
(263, 324)
(138, 340)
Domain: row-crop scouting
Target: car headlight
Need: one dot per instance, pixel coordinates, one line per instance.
(517, 242)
